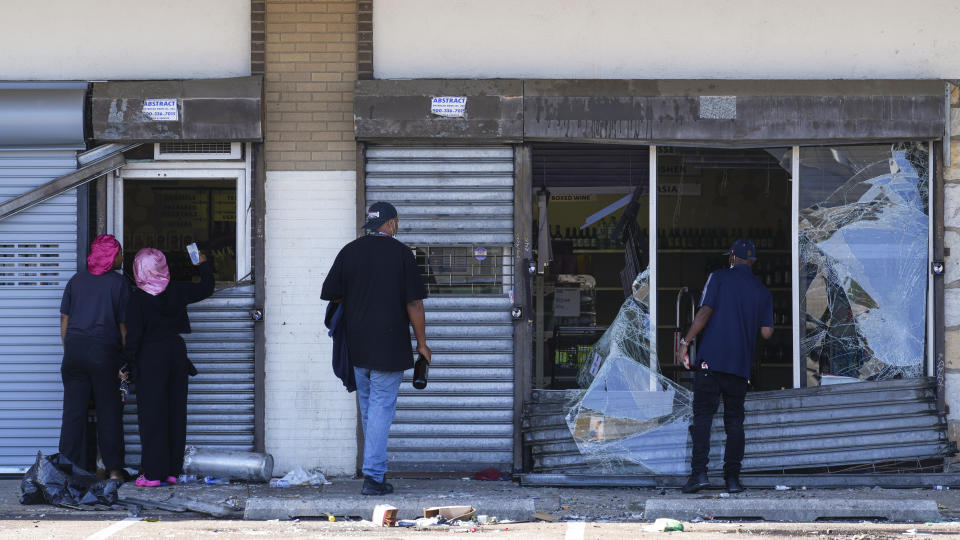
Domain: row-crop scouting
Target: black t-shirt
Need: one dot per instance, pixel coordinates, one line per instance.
(376, 277)
(156, 318)
(96, 305)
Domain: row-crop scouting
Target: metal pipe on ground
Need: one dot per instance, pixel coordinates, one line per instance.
(235, 465)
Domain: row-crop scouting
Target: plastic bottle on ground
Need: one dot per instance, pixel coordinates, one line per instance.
(279, 483)
(214, 481)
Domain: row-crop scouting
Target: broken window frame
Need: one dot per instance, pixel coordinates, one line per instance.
(927, 364)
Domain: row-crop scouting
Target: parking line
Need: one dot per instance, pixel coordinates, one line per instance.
(115, 528)
(575, 530)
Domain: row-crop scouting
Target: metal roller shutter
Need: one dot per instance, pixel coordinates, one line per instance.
(220, 401)
(867, 423)
(38, 255)
(456, 212)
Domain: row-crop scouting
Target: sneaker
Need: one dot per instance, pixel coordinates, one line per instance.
(143, 482)
(696, 482)
(171, 480)
(372, 487)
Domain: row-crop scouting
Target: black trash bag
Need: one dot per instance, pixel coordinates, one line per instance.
(56, 480)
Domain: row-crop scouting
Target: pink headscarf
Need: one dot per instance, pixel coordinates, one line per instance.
(150, 271)
(103, 251)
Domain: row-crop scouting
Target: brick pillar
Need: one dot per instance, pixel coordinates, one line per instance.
(310, 69)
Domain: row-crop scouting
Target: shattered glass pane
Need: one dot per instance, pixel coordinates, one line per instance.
(863, 254)
(629, 412)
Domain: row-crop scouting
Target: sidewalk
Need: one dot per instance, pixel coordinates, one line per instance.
(505, 500)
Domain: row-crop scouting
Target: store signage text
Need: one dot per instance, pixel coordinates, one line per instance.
(161, 110)
(449, 106)
(683, 190)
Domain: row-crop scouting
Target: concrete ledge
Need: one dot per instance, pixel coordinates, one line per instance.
(263, 508)
(792, 510)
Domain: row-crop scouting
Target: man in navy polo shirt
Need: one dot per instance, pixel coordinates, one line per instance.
(735, 306)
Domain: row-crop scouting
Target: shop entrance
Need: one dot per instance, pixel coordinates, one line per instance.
(708, 198)
(167, 207)
(592, 223)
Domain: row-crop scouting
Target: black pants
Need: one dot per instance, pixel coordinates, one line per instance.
(708, 387)
(162, 407)
(91, 366)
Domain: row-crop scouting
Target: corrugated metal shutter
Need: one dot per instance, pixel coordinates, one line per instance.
(38, 255)
(804, 428)
(453, 201)
(220, 401)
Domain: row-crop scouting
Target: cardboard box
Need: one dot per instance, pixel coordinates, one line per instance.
(450, 513)
(385, 515)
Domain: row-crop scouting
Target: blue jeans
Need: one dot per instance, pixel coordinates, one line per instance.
(377, 393)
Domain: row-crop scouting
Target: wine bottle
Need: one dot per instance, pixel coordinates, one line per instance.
(420, 371)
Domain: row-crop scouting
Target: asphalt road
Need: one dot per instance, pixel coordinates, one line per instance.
(186, 528)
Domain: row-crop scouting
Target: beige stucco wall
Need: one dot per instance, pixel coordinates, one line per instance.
(124, 39)
(653, 39)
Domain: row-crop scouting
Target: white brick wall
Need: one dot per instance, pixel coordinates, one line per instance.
(310, 418)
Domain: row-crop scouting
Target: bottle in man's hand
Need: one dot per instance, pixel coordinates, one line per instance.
(420, 370)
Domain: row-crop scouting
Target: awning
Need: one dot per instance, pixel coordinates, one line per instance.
(746, 113)
(182, 110)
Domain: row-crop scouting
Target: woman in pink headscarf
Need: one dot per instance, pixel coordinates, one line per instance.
(156, 316)
(92, 314)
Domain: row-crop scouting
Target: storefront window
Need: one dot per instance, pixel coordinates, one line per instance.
(169, 214)
(591, 208)
(707, 199)
(465, 270)
(863, 226)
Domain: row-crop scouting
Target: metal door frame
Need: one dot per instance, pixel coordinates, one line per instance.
(193, 170)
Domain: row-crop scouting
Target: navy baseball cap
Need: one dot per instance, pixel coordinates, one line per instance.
(743, 249)
(378, 214)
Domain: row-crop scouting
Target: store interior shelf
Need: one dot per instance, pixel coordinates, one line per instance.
(717, 251)
(771, 289)
(596, 251)
(673, 327)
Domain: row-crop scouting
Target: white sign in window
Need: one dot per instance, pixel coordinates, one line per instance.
(161, 110)
(450, 106)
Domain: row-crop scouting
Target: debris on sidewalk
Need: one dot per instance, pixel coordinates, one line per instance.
(180, 504)
(300, 477)
(450, 513)
(56, 480)
(665, 525)
(384, 515)
(543, 516)
(491, 474)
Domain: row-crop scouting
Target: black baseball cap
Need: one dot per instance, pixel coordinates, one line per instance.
(378, 214)
(743, 249)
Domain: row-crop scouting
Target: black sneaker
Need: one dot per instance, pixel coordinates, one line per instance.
(372, 487)
(734, 485)
(696, 482)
